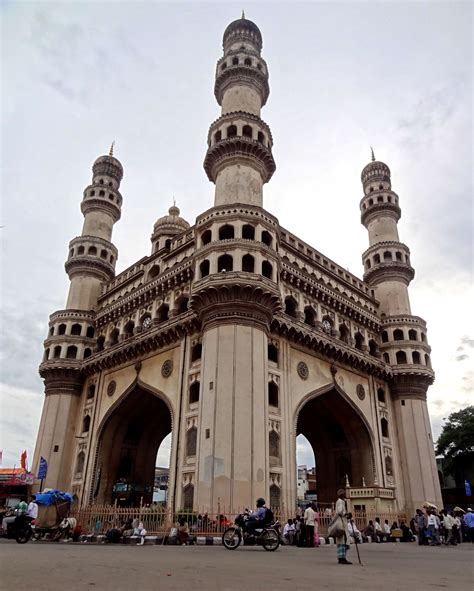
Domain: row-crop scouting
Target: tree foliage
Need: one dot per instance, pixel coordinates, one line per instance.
(456, 442)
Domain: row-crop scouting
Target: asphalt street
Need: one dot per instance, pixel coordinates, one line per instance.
(43, 566)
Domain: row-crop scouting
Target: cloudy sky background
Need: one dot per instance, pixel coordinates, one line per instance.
(343, 76)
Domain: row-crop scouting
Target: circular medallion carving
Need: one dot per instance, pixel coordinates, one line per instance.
(167, 368)
(360, 391)
(111, 388)
(302, 370)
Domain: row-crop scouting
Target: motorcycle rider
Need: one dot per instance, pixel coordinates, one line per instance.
(256, 519)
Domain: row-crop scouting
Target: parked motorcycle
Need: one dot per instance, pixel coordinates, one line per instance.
(267, 536)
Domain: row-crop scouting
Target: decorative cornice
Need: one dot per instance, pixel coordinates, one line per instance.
(380, 246)
(104, 204)
(231, 150)
(373, 211)
(410, 385)
(241, 75)
(71, 314)
(61, 377)
(389, 271)
(235, 297)
(90, 265)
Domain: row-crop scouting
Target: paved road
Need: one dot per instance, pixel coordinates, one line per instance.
(387, 567)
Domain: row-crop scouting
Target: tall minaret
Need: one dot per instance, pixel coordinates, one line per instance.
(404, 343)
(239, 157)
(71, 339)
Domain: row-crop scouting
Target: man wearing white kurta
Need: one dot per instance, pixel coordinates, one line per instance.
(343, 540)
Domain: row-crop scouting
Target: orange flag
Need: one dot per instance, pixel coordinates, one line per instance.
(23, 460)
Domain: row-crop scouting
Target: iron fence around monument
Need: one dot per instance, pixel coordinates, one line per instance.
(157, 520)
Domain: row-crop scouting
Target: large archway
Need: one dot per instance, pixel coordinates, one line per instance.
(128, 444)
(341, 442)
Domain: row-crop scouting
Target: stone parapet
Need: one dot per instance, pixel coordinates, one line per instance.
(61, 377)
(389, 271)
(241, 75)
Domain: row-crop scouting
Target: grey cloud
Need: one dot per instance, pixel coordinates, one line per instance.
(462, 357)
(468, 342)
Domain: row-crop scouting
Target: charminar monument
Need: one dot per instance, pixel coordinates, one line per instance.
(235, 336)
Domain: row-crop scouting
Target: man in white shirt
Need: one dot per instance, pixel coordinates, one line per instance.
(309, 516)
(32, 510)
(433, 528)
(289, 532)
(379, 535)
(448, 523)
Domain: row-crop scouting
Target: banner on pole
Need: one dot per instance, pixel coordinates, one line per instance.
(43, 468)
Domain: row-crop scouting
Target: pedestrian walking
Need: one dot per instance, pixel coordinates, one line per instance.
(339, 528)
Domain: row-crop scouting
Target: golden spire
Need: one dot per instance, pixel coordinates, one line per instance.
(111, 151)
(373, 155)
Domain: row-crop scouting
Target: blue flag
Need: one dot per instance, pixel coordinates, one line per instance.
(43, 468)
(467, 488)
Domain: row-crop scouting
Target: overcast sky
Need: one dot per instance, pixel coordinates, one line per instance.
(343, 76)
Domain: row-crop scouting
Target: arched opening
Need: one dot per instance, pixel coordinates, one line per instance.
(381, 395)
(226, 232)
(376, 259)
(100, 343)
(248, 232)
(181, 305)
(153, 272)
(235, 61)
(401, 357)
(81, 458)
(416, 357)
(62, 329)
(384, 427)
(247, 131)
(162, 314)
(206, 237)
(273, 393)
(91, 391)
(344, 334)
(92, 250)
(128, 329)
(71, 352)
(359, 341)
(274, 448)
(194, 392)
(248, 263)
(86, 424)
(133, 440)
(388, 466)
(90, 332)
(267, 269)
(218, 136)
(87, 353)
(191, 441)
(188, 497)
(387, 256)
(247, 61)
(310, 316)
(398, 335)
(427, 361)
(46, 355)
(291, 306)
(373, 348)
(76, 330)
(272, 353)
(204, 268)
(331, 427)
(80, 250)
(266, 238)
(275, 497)
(196, 352)
(57, 352)
(225, 263)
(261, 137)
(168, 243)
(384, 336)
(386, 357)
(412, 335)
(231, 131)
(114, 335)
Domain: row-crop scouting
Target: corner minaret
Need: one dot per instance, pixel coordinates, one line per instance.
(71, 335)
(404, 342)
(239, 158)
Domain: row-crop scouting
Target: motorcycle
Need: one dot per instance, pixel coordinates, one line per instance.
(23, 529)
(267, 536)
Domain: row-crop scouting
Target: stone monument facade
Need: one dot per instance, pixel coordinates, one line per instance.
(235, 336)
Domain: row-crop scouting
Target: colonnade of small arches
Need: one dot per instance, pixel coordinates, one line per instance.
(228, 231)
(241, 59)
(403, 334)
(64, 331)
(240, 129)
(228, 262)
(387, 256)
(314, 317)
(409, 357)
(98, 192)
(94, 247)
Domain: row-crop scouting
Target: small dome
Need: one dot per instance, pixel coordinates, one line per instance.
(375, 171)
(170, 224)
(108, 165)
(242, 28)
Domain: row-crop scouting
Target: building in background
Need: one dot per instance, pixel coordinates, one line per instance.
(235, 336)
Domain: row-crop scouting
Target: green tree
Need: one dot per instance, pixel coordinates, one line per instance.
(456, 444)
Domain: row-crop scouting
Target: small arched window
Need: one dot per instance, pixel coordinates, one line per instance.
(114, 335)
(384, 427)
(359, 341)
(101, 193)
(310, 316)
(384, 336)
(344, 334)
(204, 268)
(387, 256)
(376, 259)
(62, 329)
(90, 332)
(247, 61)
(248, 232)
(380, 199)
(188, 497)
(267, 269)
(100, 343)
(266, 238)
(196, 352)
(191, 441)
(373, 347)
(381, 395)
(51, 331)
(46, 355)
(247, 131)
(248, 263)
(291, 306)
(416, 357)
(261, 137)
(194, 392)
(182, 305)
(275, 497)
(57, 352)
(225, 263)
(92, 250)
(398, 335)
(235, 61)
(427, 361)
(272, 353)
(412, 335)
(226, 232)
(423, 337)
(218, 136)
(168, 243)
(71, 352)
(86, 424)
(206, 237)
(388, 466)
(87, 353)
(232, 131)
(273, 394)
(81, 458)
(398, 255)
(129, 328)
(103, 254)
(76, 330)
(386, 357)
(162, 313)
(274, 447)
(91, 391)
(401, 357)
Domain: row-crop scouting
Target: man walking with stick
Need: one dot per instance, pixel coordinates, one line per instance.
(340, 526)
